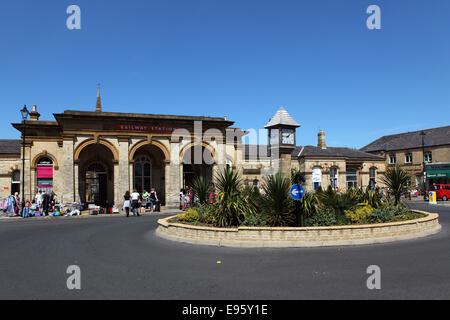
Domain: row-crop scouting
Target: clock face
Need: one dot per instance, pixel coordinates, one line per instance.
(287, 136)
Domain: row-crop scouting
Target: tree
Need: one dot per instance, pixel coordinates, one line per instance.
(396, 179)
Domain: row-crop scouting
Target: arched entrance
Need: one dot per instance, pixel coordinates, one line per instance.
(194, 166)
(96, 175)
(149, 170)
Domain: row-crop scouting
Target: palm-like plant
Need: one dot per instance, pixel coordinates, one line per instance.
(201, 189)
(338, 202)
(278, 205)
(231, 205)
(396, 179)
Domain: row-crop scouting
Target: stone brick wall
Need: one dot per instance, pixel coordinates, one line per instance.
(300, 237)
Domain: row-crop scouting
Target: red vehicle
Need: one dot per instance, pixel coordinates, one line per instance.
(442, 191)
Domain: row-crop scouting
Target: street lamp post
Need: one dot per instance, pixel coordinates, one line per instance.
(423, 166)
(24, 112)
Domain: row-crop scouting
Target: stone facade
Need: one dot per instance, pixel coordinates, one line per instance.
(98, 156)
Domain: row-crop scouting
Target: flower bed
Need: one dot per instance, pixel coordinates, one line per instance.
(300, 237)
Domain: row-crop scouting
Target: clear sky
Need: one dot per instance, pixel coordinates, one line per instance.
(236, 58)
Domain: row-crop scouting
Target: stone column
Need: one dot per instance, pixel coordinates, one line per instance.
(172, 177)
(67, 170)
(77, 182)
(121, 180)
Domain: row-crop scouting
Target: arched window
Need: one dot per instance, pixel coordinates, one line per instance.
(316, 177)
(334, 177)
(372, 178)
(15, 181)
(352, 178)
(44, 174)
(142, 174)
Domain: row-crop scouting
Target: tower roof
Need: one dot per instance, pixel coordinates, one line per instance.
(283, 118)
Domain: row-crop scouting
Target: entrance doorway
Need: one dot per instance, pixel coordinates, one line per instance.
(97, 185)
(96, 176)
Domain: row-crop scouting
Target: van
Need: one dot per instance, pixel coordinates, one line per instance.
(442, 191)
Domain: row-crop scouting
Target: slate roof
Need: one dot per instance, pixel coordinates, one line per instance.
(282, 117)
(333, 152)
(261, 151)
(9, 146)
(410, 140)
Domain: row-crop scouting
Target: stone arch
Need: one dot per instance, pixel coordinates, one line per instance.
(192, 144)
(47, 155)
(155, 143)
(109, 145)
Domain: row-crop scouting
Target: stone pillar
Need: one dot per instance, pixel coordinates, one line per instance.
(172, 177)
(27, 174)
(121, 179)
(67, 170)
(77, 182)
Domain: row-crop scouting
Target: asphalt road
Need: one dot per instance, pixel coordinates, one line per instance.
(122, 258)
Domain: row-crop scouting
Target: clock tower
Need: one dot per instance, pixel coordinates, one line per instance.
(282, 139)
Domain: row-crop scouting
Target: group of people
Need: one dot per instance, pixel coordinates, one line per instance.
(188, 198)
(45, 201)
(136, 200)
(42, 202)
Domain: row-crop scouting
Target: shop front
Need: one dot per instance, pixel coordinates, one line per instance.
(437, 173)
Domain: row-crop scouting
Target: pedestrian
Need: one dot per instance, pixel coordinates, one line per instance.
(26, 210)
(38, 198)
(45, 204)
(135, 196)
(145, 198)
(153, 199)
(17, 204)
(126, 203)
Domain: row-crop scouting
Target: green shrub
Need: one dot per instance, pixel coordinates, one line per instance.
(254, 219)
(278, 206)
(359, 215)
(201, 209)
(382, 214)
(324, 217)
(230, 206)
(190, 215)
(208, 218)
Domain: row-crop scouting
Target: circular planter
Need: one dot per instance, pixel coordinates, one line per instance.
(300, 237)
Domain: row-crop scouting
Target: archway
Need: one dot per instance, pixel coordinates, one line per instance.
(149, 170)
(195, 165)
(96, 175)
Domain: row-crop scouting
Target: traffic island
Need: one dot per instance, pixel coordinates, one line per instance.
(278, 237)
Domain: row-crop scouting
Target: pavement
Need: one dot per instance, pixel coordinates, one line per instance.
(122, 258)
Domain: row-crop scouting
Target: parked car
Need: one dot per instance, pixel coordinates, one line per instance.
(442, 191)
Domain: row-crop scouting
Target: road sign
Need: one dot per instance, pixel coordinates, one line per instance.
(297, 192)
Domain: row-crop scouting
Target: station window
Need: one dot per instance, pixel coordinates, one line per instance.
(408, 157)
(427, 157)
(392, 159)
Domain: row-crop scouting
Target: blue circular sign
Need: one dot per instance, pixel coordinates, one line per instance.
(297, 192)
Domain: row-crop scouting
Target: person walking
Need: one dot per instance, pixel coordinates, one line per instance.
(135, 196)
(153, 199)
(126, 203)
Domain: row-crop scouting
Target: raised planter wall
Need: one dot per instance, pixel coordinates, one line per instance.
(300, 237)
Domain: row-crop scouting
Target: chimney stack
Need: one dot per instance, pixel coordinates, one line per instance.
(321, 140)
(34, 115)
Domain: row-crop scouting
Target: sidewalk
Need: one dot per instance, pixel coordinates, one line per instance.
(121, 214)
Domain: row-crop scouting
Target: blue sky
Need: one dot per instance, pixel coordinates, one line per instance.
(236, 58)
